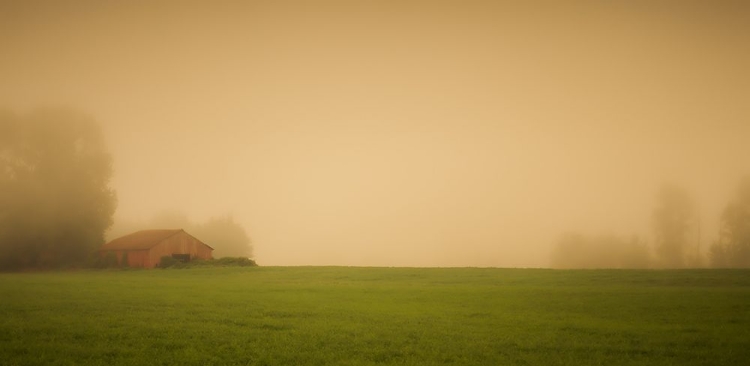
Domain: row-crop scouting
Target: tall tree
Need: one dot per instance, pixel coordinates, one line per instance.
(673, 221)
(55, 199)
(733, 247)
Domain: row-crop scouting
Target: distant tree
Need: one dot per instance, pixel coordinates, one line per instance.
(226, 236)
(575, 250)
(55, 199)
(720, 254)
(634, 253)
(673, 221)
(733, 246)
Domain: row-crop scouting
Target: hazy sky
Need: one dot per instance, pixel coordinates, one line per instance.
(435, 133)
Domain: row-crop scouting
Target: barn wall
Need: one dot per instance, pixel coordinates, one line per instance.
(137, 258)
(180, 243)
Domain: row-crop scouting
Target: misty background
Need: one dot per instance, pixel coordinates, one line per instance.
(400, 133)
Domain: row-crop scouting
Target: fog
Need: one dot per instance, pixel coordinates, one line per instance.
(398, 133)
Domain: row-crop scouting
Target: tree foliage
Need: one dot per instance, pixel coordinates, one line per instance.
(55, 199)
(226, 236)
(733, 246)
(673, 222)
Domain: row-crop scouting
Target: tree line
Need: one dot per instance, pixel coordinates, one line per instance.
(56, 203)
(676, 242)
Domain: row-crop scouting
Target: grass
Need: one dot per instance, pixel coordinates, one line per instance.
(367, 316)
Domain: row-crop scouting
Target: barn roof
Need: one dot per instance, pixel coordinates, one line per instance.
(140, 240)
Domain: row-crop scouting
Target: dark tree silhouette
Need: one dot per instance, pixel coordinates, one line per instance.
(673, 220)
(733, 247)
(55, 199)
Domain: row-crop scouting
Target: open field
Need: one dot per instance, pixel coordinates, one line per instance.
(365, 316)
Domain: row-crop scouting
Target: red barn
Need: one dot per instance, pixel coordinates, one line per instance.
(146, 247)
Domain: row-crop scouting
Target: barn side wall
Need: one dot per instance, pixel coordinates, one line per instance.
(180, 243)
(137, 258)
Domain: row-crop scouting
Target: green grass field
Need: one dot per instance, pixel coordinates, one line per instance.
(366, 316)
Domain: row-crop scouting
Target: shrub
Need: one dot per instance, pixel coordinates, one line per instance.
(94, 261)
(167, 261)
(235, 261)
(110, 260)
(198, 262)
